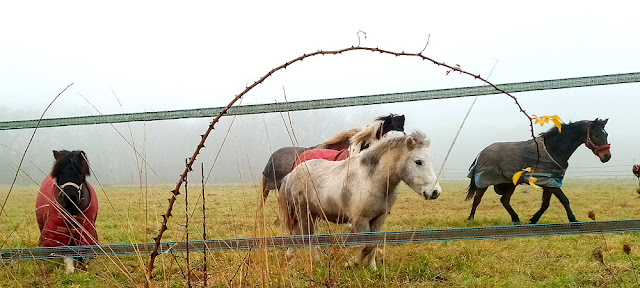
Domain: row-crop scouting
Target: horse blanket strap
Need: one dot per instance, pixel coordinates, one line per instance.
(326, 154)
(596, 148)
(58, 230)
(497, 164)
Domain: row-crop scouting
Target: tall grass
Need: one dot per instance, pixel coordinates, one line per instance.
(233, 212)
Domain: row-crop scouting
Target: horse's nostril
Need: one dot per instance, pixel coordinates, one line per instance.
(435, 194)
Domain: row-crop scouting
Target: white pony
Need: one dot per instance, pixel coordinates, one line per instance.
(360, 190)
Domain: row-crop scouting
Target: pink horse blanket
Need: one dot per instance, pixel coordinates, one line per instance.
(326, 154)
(58, 230)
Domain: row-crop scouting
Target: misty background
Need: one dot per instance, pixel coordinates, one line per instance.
(165, 56)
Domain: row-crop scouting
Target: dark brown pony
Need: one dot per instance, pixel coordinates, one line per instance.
(281, 161)
(636, 170)
(497, 164)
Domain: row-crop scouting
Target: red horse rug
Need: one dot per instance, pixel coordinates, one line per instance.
(57, 229)
(326, 154)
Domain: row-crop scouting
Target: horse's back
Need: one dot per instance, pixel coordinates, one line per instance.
(325, 154)
(281, 162)
(498, 162)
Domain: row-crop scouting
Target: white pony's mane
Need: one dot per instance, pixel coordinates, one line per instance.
(366, 133)
(392, 140)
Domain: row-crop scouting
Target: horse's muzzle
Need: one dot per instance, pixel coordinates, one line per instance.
(604, 155)
(434, 195)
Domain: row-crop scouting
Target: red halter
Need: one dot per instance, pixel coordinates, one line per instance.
(595, 148)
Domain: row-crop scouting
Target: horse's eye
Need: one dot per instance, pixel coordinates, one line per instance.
(418, 162)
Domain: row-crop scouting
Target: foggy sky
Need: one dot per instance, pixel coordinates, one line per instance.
(156, 56)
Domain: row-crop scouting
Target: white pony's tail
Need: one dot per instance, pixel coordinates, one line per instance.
(285, 207)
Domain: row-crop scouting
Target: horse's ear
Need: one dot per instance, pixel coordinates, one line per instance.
(85, 163)
(84, 155)
(411, 143)
(604, 122)
(56, 154)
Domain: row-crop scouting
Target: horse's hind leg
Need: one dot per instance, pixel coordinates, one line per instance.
(476, 201)
(546, 197)
(565, 202)
(305, 224)
(506, 199)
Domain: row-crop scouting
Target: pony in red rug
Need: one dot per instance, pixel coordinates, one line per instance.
(359, 141)
(326, 154)
(67, 207)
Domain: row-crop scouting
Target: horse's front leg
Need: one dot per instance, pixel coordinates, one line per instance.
(546, 197)
(69, 265)
(359, 225)
(369, 255)
(565, 202)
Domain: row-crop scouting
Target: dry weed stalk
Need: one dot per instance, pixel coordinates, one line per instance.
(204, 227)
(626, 248)
(186, 225)
(598, 255)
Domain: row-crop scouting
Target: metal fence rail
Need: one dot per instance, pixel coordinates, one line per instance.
(346, 239)
(328, 103)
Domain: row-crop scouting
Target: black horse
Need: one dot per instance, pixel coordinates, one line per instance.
(281, 161)
(66, 206)
(497, 164)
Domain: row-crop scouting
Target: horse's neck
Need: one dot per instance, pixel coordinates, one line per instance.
(80, 206)
(561, 146)
(385, 175)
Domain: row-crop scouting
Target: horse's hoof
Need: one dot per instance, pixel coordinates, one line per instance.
(288, 256)
(380, 255)
(517, 223)
(348, 265)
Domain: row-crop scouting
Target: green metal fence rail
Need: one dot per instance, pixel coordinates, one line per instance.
(329, 103)
(346, 239)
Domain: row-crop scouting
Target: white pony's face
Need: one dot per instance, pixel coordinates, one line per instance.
(417, 170)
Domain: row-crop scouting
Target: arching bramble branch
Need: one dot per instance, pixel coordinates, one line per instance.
(176, 191)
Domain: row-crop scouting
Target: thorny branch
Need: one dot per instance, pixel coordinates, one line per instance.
(186, 225)
(204, 225)
(175, 192)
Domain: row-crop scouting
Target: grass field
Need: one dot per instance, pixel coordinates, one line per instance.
(127, 215)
